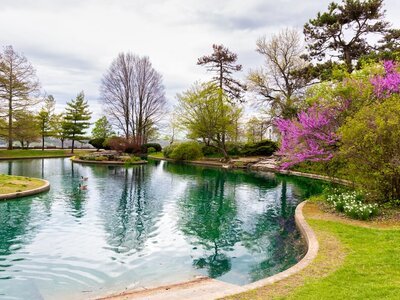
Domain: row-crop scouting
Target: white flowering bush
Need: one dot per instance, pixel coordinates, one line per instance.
(351, 203)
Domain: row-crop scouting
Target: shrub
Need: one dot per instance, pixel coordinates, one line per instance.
(167, 151)
(97, 143)
(132, 160)
(351, 204)
(265, 148)
(101, 158)
(187, 151)
(156, 146)
(122, 145)
(209, 150)
(371, 148)
(151, 150)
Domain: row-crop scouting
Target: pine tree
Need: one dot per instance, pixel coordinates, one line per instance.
(76, 120)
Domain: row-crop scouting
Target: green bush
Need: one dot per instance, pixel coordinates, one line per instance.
(209, 150)
(264, 148)
(98, 143)
(187, 151)
(167, 151)
(132, 160)
(156, 146)
(101, 158)
(151, 150)
(371, 149)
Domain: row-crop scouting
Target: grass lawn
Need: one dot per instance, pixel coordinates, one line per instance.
(12, 184)
(37, 153)
(357, 260)
(156, 154)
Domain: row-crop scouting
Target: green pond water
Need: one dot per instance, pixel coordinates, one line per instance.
(144, 226)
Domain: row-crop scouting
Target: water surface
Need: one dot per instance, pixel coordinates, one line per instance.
(144, 226)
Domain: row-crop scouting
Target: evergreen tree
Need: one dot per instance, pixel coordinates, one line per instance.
(76, 120)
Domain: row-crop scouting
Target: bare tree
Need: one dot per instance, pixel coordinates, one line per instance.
(18, 86)
(133, 95)
(278, 82)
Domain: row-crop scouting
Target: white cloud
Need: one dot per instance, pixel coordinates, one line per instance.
(72, 43)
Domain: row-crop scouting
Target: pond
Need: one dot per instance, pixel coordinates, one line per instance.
(146, 225)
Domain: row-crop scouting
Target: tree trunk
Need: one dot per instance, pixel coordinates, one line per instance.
(73, 144)
(10, 124)
(62, 144)
(42, 142)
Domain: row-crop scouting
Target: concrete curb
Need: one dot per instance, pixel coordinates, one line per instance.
(107, 163)
(312, 245)
(208, 288)
(35, 157)
(31, 192)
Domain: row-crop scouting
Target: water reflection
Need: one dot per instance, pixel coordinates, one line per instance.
(148, 225)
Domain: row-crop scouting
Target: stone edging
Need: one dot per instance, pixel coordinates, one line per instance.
(208, 288)
(312, 251)
(108, 163)
(36, 157)
(31, 192)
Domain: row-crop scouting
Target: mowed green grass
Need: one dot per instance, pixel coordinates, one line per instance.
(13, 184)
(371, 269)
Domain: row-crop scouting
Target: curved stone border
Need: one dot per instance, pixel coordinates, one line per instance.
(108, 163)
(31, 192)
(312, 245)
(208, 288)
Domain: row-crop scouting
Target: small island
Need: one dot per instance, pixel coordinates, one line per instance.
(109, 158)
(20, 186)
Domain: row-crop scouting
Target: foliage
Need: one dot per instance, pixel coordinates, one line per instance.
(44, 118)
(186, 151)
(371, 148)
(344, 31)
(389, 83)
(167, 151)
(19, 86)
(58, 128)
(205, 112)
(76, 118)
(223, 62)
(256, 129)
(156, 146)
(102, 129)
(132, 160)
(98, 143)
(26, 128)
(352, 204)
(310, 137)
(151, 150)
(265, 148)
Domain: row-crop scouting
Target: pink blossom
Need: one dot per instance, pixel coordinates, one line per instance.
(310, 137)
(388, 84)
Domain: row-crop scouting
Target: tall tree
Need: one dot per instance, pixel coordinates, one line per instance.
(279, 83)
(348, 30)
(26, 128)
(76, 120)
(58, 128)
(102, 129)
(44, 118)
(223, 62)
(133, 96)
(205, 112)
(18, 86)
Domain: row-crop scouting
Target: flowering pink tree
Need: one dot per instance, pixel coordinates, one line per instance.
(388, 84)
(310, 137)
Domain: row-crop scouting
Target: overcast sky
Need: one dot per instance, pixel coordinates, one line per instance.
(71, 43)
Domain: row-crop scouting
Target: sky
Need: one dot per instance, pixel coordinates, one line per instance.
(71, 43)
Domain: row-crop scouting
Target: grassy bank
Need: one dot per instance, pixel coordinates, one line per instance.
(357, 260)
(13, 184)
(4, 154)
